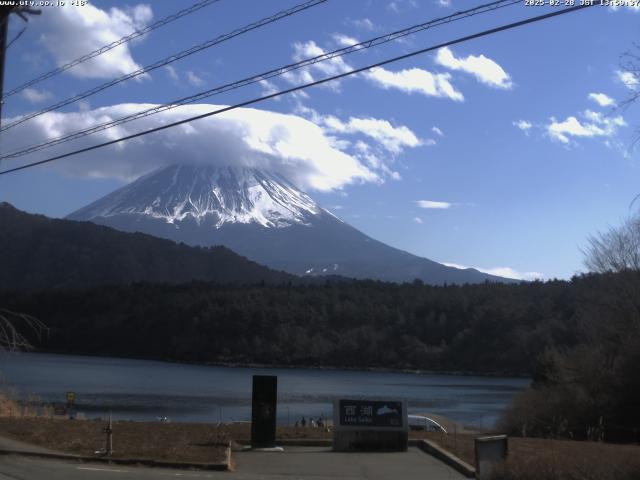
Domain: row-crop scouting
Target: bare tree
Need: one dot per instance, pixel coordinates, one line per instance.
(616, 250)
(12, 328)
(630, 76)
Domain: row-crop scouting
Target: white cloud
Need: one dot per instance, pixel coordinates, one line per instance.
(418, 220)
(416, 80)
(84, 105)
(628, 79)
(523, 125)
(400, 6)
(311, 49)
(437, 131)
(484, 69)
(36, 96)
(297, 77)
(602, 99)
(344, 40)
(571, 126)
(327, 68)
(363, 24)
(289, 144)
(269, 88)
(595, 125)
(194, 79)
(433, 204)
(387, 138)
(430, 142)
(171, 71)
(394, 139)
(509, 272)
(444, 3)
(61, 28)
(506, 272)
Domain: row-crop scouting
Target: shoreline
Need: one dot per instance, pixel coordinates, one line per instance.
(414, 371)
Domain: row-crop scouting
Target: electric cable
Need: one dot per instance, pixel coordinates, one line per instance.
(310, 84)
(105, 48)
(167, 60)
(358, 47)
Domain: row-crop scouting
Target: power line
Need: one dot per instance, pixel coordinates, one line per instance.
(105, 48)
(263, 76)
(310, 84)
(177, 56)
(17, 36)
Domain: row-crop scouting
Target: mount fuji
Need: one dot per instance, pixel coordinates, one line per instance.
(263, 216)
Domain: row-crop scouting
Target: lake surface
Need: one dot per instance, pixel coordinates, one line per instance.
(145, 390)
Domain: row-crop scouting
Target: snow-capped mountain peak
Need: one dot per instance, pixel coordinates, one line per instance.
(219, 195)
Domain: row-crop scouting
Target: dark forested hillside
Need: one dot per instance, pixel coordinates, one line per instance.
(487, 327)
(38, 252)
(579, 340)
(590, 389)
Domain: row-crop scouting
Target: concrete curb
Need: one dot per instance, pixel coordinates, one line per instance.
(227, 465)
(295, 442)
(441, 454)
(305, 442)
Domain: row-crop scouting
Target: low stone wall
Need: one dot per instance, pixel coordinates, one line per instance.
(438, 452)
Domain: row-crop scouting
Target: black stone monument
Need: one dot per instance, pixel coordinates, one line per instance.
(263, 411)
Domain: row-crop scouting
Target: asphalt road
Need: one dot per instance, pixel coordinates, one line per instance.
(316, 463)
(27, 468)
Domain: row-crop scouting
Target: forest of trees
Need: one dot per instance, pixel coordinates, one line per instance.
(579, 340)
(590, 389)
(492, 328)
(38, 252)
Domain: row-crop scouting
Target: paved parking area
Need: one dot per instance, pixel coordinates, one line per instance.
(320, 463)
(314, 463)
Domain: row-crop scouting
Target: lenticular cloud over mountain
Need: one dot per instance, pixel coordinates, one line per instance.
(286, 144)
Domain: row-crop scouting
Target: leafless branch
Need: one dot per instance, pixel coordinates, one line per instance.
(615, 250)
(13, 328)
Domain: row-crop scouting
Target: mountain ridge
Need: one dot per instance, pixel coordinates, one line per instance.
(264, 217)
(38, 252)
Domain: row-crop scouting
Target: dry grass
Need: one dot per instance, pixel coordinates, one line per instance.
(173, 442)
(543, 459)
(8, 408)
(547, 459)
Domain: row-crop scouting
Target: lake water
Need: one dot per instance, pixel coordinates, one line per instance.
(145, 390)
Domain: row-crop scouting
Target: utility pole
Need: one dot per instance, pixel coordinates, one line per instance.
(5, 12)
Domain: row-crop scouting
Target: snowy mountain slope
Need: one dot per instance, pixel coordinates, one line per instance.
(264, 217)
(215, 194)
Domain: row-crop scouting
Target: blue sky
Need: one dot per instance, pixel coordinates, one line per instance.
(502, 153)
